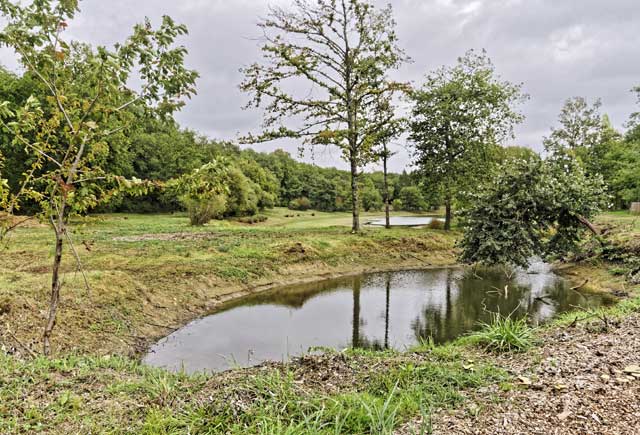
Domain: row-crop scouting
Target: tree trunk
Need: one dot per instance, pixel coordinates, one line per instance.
(55, 287)
(355, 209)
(387, 219)
(447, 217)
(584, 221)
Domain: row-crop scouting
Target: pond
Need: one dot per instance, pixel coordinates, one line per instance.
(405, 221)
(379, 310)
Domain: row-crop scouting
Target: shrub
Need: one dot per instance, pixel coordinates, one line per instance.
(505, 334)
(202, 211)
(301, 204)
(253, 219)
(436, 224)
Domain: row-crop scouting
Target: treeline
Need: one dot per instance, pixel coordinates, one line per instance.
(157, 149)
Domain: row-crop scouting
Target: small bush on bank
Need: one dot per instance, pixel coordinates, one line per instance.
(436, 224)
(505, 334)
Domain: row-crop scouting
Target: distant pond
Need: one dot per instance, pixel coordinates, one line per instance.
(379, 310)
(405, 221)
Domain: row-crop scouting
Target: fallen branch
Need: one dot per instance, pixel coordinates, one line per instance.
(586, 281)
(24, 347)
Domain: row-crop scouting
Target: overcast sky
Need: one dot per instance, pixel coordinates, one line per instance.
(557, 48)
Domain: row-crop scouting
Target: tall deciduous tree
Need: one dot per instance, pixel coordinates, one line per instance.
(88, 101)
(460, 114)
(325, 65)
(388, 127)
(580, 135)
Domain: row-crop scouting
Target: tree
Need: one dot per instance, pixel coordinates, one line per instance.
(343, 49)
(204, 191)
(88, 101)
(531, 208)
(389, 126)
(371, 198)
(459, 117)
(411, 199)
(580, 134)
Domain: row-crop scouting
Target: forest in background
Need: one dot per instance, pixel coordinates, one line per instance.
(158, 149)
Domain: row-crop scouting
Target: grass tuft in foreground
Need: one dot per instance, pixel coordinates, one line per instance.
(505, 334)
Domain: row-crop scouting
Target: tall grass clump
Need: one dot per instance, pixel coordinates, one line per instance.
(505, 334)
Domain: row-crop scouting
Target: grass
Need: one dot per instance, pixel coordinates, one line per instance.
(505, 334)
(83, 394)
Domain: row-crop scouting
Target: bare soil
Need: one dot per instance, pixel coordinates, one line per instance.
(584, 379)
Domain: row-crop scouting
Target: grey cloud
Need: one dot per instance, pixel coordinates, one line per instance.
(558, 49)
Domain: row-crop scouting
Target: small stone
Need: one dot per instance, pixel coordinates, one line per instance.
(561, 387)
(524, 380)
(564, 415)
(605, 378)
(632, 369)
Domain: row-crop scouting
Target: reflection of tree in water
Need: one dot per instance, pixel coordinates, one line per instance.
(360, 340)
(478, 295)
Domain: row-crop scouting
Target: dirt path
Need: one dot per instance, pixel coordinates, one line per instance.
(585, 379)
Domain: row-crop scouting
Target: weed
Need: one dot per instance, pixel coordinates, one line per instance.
(505, 334)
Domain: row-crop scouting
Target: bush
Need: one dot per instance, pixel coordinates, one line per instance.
(436, 224)
(504, 334)
(396, 205)
(253, 219)
(301, 204)
(202, 211)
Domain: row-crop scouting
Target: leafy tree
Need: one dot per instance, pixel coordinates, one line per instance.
(389, 126)
(515, 152)
(580, 135)
(88, 101)
(371, 198)
(204, 191)
(530, 208)
(242, 198)
(343, 49)
(411, 199)
(459, 117)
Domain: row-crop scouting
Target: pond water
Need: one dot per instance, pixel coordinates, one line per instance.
(405, 221)
(379, 310)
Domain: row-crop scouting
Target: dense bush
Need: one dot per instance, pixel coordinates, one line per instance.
(253, 219)
(300, 204)
(202, 211)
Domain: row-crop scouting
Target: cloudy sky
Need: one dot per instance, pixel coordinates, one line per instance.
(558, 49)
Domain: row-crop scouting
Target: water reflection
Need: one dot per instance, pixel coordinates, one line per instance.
(371, 311)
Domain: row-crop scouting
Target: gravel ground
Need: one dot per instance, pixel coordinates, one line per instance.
(584, 379)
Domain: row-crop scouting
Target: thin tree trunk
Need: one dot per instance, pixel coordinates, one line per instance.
(55, 285)
(355, 209)
(447, 217)
(386, 190)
